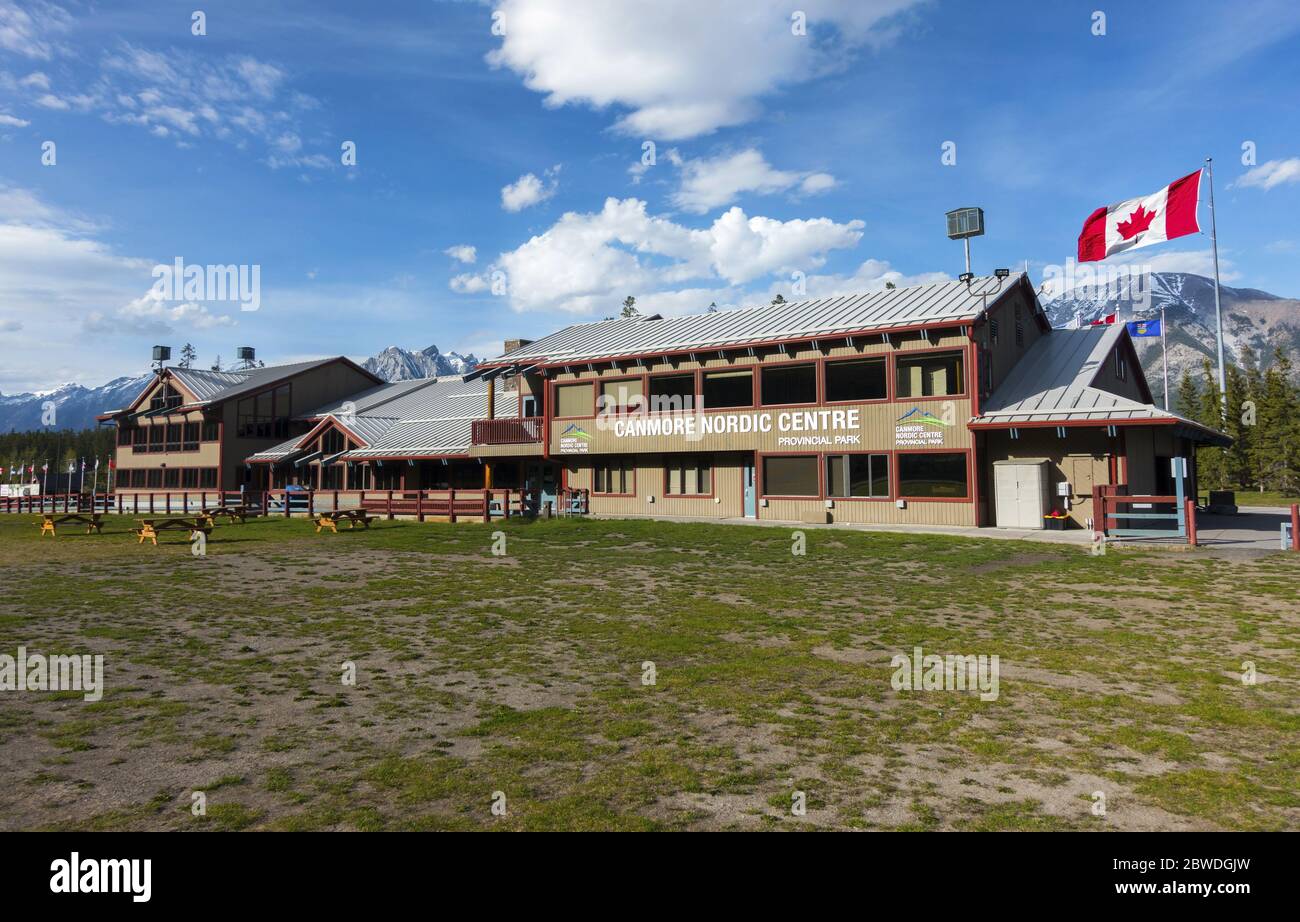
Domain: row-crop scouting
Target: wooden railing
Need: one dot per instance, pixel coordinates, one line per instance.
(452, 505)
(506, 431)
(1107, 513)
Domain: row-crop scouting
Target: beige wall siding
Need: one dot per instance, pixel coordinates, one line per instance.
(1107, 380)
(1004, 354)
(1081, 459)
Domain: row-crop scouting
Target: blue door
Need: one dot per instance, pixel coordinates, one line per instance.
(751, 494)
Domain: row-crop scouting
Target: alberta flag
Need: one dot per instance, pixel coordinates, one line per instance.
(1139, 328)
(1140, 222)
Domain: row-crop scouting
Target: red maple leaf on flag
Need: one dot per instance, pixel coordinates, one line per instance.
(1137, 222)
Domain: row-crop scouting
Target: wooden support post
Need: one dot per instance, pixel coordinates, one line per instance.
(1295, 527)
(487, 507)
(451, 506)
(1191, 521)
(336, 500)
(419, 506)
(390, 505)
(487, 475)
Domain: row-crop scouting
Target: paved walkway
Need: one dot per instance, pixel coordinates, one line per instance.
(1255, 530)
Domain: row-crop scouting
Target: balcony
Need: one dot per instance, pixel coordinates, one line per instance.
(526, 431)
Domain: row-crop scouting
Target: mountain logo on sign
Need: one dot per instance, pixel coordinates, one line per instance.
(575, 431)
(917, 415)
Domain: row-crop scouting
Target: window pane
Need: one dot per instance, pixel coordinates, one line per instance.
(796, 476)
(856, 380)
(932, 475)
(880, 475)
(930, 375)
(675, 478)
(574, 400)
(672, 392)
(796, 384)
(706, 478)
(729, 389)
(835, 475)
(619, 393)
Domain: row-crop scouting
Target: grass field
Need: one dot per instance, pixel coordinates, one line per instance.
(523, 674)
(1255, 498)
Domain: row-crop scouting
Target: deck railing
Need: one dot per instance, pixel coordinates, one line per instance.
(506, 431)
(452, 505)
(1110, 519)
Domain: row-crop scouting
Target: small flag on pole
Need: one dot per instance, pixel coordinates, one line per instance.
(1103, 321)
(1140, 328)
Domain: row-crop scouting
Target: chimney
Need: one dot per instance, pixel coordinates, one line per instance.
(513, 344)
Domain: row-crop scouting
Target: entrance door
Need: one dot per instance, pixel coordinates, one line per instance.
(542, 478)
(751, 492)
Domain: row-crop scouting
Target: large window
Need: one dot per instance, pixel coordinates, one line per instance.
(783, 384)
(171, 477)
(790, 476)
(616, 395)
(614, 475)
(191, 437)
(156, 433)
(688, 475)
(207, 477)
(932, 475)
(862, 476)
(573, 400)
(174, 436)
(331, 477)
(859, 379)
(265, 415)
(332, 442)
(165, 398)
(126, 435)
(728, 389)
(211, 431)
(190, 478)
(672, 392)
(932, 375)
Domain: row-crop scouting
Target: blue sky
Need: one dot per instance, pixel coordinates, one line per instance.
(778, 157)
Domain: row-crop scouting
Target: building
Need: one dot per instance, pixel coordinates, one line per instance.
(891, 407)
(952, 403)
(191, 429)
(407, 435)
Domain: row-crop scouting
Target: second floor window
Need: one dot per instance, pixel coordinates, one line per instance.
(930, 375)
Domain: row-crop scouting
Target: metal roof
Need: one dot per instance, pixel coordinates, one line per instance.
(918, 305)
(1053, 383)
(214, 386)
(427, 416)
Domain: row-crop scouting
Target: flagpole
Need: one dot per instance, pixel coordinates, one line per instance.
(1218, 313)
(1164, 354)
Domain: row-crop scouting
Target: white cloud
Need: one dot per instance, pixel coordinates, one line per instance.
(30, 31)
(13, 121)
(681, 68)
(462, 252)
(468, 283)
(53, 266)
(585, 259)
(709, 183)
(188, 96)
(528, 190)
(1269, 174)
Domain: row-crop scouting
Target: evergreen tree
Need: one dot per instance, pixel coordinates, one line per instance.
(1187, 399)
(1210, 465)
(629, 307)
(188, 355)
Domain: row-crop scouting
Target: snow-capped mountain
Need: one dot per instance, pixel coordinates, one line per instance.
(398, 364)
(1250, 318)
(76, 406)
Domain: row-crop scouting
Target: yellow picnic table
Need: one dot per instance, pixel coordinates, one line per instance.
(331, 520)
(149, 528)
(94, 522)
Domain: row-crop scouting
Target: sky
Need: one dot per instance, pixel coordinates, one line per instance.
(461, 173)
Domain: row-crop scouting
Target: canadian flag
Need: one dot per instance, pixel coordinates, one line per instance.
(1140, 222)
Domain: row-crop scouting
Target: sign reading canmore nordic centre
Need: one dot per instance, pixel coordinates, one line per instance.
(797, 428)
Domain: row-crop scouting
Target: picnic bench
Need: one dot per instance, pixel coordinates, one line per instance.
(149, 528)
(353, 517)
(94, 522)
(233, 513)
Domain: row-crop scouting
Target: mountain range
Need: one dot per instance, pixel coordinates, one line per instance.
(1251, 318)
(75, 406)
